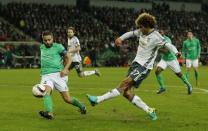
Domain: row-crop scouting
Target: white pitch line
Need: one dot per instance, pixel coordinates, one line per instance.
(201, 89)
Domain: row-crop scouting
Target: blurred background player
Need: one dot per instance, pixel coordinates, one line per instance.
(191, 50)
(74, 49)
(149, 43)
(54, 74)
(169, 59)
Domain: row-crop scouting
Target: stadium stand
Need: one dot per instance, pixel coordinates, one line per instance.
(98, 27)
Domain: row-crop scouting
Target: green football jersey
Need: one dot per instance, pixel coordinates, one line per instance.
(51, 59)
(170, 55)
(191, 49)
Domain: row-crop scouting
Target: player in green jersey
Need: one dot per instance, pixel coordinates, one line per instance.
(54, 74)
(191, 52)
(169, 59)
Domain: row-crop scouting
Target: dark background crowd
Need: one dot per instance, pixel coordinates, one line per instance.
(96, 28)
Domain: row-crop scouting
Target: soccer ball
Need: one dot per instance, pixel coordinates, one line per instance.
(39, 90)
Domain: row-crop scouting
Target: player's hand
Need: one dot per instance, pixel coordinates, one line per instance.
(118, 41)
(64, 72)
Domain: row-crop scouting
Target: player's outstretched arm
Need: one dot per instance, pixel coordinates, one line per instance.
(171, 48)
(67, 63)
(127, 35)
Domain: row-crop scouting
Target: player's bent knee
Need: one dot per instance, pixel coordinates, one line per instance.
(157, 71)
(67, 100)
(128, 95)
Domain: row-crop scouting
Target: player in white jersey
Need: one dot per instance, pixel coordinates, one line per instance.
(74, 49)
(149, 43)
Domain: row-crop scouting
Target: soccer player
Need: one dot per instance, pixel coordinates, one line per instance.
(149, 43)
(54, 74)
(191, 52)
(74, 49)
(169, 59)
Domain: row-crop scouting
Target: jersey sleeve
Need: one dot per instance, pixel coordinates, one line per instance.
(127, 35)
(161, 42)
(77, 42)
(61, 50)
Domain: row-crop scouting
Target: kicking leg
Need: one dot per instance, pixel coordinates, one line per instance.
(113, 93)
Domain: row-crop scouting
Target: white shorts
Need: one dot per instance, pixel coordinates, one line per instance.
(174, 65)
(189, 63)
(54, 80)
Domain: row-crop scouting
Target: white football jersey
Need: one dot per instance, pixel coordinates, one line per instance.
(73, 43)
(148, 46)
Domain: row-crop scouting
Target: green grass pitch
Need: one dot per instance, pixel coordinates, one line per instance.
(176, 110)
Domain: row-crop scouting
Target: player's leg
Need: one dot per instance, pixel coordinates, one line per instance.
(74, 101)
(78, 67)
(135, 73)
(126, 83)
(188, 67)
(111, 94)
(162, 65)
(47, 100)
(61, 85)
(72, 66)
(137, 101)
(138, 75)
(195, 65)
(175, 67)
(185, 81)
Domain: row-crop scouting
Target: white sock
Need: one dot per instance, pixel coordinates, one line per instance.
(108, 95)
(88, 73)
(139, 103)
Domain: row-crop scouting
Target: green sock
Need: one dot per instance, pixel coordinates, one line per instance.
(76, 103)
(160, 81)
(196, 75)
(185, 80)
(187, 75)
(48, 103)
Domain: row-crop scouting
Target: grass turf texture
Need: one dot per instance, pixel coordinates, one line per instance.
(175, 109)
